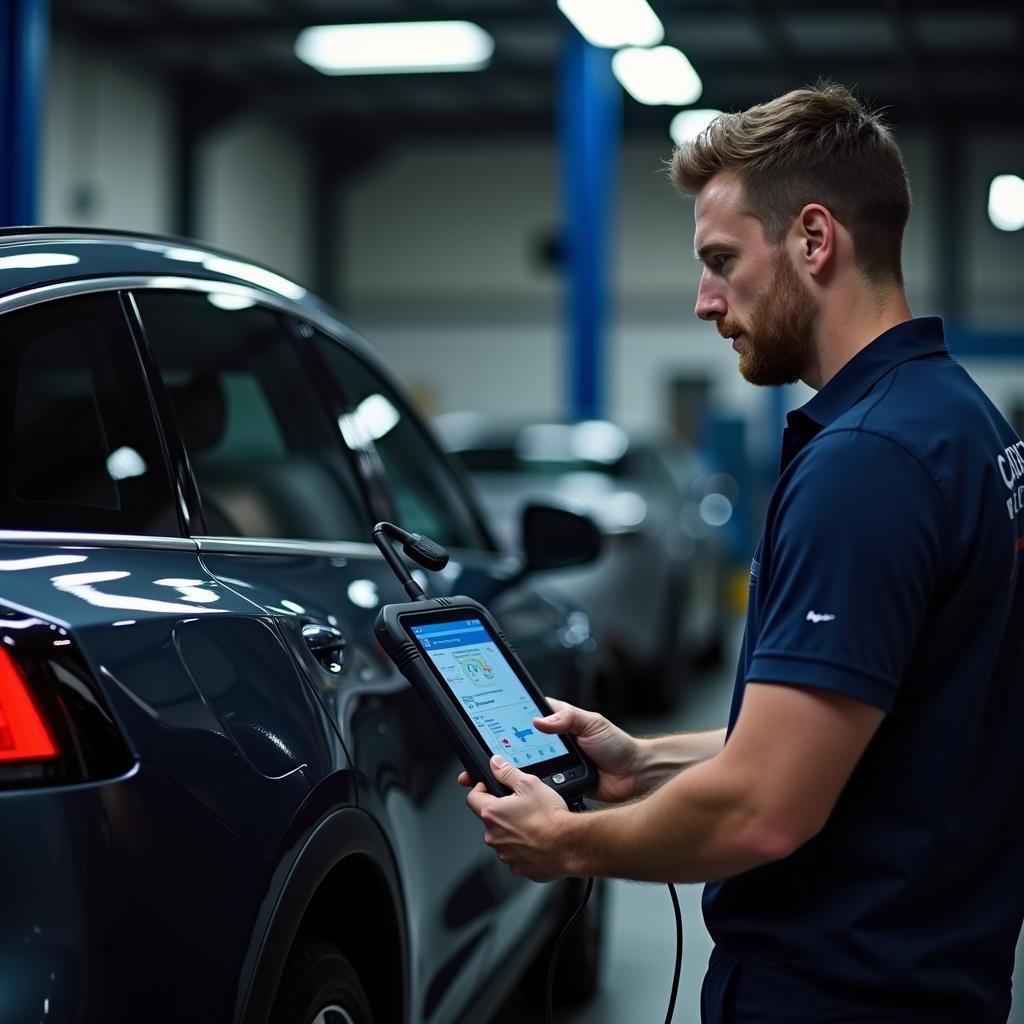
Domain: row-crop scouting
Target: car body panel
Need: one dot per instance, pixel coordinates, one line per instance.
(107, 863)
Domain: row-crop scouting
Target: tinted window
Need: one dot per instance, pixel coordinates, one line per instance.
(426, 494)
(267, 458)
(79, 446)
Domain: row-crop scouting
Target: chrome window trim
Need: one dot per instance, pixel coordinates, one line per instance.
(98, 540)
(196, 544)
(284, 546)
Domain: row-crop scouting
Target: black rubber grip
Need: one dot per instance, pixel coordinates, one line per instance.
(423, 550)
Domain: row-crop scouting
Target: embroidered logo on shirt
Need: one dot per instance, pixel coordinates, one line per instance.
(815, 617)
(755, 571)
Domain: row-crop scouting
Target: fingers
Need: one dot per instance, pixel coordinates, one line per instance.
(465, 779)
(479, 799)
(509, 775)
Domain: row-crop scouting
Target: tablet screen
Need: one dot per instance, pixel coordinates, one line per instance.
(487, 687)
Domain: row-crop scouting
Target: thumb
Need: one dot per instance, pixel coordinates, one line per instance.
(560, 719)
(557, 722)
(508, 774)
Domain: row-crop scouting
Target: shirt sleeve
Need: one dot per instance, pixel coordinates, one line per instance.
(854, 557)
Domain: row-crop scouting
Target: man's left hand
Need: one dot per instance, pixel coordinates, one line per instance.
(522, 828)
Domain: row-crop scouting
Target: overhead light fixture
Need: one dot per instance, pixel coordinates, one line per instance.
(614, 23)
(1006, 202)
(661, 75)
(688, 124)
(395, 48)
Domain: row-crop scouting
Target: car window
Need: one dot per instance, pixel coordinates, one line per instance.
(267, 459)
(427, 495)
(80, 448)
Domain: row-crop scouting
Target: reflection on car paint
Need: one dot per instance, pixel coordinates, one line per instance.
(364, 593)
(81, 585)
(39, 562)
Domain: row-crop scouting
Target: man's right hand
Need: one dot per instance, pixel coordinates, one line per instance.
(616, 754)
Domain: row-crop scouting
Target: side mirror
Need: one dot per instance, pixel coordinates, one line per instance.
(555, 537)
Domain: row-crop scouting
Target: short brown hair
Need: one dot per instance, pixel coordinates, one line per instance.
(813, 145)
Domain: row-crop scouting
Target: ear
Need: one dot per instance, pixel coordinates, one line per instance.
(815, 230)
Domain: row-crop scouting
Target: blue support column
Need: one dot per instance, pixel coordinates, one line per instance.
(590, 129)
(24, 53)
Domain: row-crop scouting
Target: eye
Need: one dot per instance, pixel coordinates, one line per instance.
(721, 259)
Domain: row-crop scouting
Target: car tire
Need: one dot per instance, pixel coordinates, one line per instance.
(319, 986)
(578, 973)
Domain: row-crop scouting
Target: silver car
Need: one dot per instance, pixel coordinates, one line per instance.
(656, 595)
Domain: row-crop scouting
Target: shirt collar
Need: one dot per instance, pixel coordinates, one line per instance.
(912, 339)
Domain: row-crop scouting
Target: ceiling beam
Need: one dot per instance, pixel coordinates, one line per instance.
(174, 20)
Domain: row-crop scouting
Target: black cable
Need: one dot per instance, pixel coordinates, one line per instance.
(679, 953)
(578, 805)
(553, 962)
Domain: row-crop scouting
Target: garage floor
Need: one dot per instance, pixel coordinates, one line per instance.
(640, 952)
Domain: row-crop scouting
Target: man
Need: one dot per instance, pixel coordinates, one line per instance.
(860, 822)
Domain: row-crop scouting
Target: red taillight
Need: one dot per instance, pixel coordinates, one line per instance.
(23, 733)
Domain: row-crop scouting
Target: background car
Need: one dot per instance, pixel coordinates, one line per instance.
(222, 801)
(656, 597)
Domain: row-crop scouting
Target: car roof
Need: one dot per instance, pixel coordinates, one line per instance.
(37, 257)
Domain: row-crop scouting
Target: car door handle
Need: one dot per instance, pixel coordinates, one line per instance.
(327, 644)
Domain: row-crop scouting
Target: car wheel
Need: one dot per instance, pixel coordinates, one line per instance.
(319, 986)
(578, 974)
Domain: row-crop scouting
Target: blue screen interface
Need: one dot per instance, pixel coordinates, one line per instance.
(489, 690)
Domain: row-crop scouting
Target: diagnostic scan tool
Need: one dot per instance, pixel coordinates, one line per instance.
(472, 682)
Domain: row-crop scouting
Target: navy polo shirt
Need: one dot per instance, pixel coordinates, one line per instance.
(890, 572)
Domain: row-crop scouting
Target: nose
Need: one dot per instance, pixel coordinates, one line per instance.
(710, 302)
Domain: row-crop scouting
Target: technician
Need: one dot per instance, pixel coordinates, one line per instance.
(861, 820)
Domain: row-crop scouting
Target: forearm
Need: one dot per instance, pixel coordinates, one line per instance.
(662, 757)
(701, 825)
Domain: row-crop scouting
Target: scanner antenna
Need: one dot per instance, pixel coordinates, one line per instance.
(420, 549)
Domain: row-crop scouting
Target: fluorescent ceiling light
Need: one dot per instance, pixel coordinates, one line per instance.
(395, 48)
(1006, 202)
(688, 124)
(660, 75)
(614, 23)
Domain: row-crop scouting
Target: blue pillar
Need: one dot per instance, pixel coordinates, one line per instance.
(590, 128)
(24, 50)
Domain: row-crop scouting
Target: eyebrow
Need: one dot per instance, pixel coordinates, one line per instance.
(708, 247)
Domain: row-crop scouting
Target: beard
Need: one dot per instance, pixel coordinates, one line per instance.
(779, 341)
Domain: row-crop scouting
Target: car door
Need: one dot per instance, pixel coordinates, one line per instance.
(92, 542)
(430, 497)
(287, 517)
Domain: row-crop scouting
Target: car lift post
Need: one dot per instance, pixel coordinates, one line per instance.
(24, 52)
(589, 118)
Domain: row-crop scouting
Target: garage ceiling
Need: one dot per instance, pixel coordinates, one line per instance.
(931, 62)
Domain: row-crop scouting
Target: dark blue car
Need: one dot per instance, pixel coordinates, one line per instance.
(220, 801)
